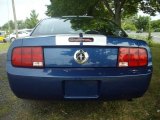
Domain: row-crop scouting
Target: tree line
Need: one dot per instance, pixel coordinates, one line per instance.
(29, 22)
(135, 23)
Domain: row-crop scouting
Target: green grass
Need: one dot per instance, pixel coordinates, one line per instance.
(144, 108)
(139, 37)
(4, 47)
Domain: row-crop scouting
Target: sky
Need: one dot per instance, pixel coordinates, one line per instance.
(24, 7)
(157, 17)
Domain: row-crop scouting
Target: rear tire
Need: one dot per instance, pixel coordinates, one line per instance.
(4, 41)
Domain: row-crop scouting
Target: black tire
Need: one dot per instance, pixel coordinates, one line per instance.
(4, 41)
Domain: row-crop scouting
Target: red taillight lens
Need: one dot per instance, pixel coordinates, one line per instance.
(27, 57)
(143, 57)
(132, 57)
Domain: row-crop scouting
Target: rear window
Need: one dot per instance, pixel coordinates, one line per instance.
(77, 25)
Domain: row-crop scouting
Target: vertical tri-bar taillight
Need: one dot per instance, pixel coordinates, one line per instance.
(27, 57)
(132, 57)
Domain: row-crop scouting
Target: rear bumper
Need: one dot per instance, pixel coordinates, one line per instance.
(44, 84)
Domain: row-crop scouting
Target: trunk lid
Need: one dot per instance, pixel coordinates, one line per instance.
(79, 53)
(60, 52)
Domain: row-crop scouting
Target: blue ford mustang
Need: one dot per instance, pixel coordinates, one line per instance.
(69, 58)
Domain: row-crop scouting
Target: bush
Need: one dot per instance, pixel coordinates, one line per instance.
(129, 26)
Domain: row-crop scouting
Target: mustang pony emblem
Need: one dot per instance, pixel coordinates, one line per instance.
(81, 56)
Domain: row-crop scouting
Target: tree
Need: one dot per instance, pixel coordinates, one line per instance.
(155, 24)
(111, 9)
(8, 26)
(129, 23)
(142, 22)
(21, 24)
(33, 20)
(129, 26)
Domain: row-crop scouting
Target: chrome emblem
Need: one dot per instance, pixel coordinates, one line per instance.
(81, 56)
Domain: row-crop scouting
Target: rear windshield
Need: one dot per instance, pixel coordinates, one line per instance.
(77, 25)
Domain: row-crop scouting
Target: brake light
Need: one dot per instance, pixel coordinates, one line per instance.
(75, 39)
(132, 57)
(27, 57)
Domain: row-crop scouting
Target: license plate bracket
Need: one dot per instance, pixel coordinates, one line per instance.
(81, 89)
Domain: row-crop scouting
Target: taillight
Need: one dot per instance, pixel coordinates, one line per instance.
(27, 57)
(132, 57)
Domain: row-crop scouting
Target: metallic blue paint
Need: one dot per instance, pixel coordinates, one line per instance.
(63, 57)
(100, 78)
(48, 83)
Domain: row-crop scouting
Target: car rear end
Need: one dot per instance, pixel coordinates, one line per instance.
(79, 67)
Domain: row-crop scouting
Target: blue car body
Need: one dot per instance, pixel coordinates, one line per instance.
(62, 78)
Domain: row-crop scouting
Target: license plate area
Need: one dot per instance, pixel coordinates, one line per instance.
(81, 89)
